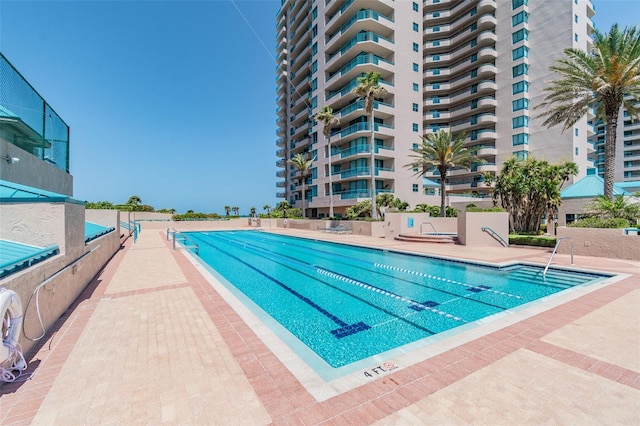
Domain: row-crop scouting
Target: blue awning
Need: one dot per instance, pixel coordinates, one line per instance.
(430, 183)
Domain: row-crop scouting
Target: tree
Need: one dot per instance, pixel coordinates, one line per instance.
(442, 152)
(236, 210)
(134, 200)
(283, 206)
(300, 162)
(605, 79)
(252, 212)
(384, 200)
(267, 207)
(621, 207)
(227, 210)
(361, 209)
(369, 90)
(529, 189)
(100, 205)
(329, 120)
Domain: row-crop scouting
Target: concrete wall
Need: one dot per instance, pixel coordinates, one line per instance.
(470, 225)
(103, 217)
(33, 172)
(612, 243)
(398, 223)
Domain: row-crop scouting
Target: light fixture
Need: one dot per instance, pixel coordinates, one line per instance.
(9, 159)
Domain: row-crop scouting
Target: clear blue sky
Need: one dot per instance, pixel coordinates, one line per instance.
(173, 101)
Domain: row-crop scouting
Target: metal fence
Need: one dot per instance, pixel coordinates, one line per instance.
(28, 121)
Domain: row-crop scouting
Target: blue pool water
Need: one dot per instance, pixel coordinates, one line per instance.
(348, 303)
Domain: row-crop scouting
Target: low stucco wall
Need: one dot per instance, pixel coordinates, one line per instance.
(470, 226)
(106, 218)
(413, 223)
(612, 243)
(65, 275)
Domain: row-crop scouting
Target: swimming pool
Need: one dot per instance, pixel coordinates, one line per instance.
(348, 303)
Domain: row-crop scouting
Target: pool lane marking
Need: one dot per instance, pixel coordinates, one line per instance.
(313, 268)
(369, 264)
(345, 328)
(478, 288)
(387, 293)
(352, 281)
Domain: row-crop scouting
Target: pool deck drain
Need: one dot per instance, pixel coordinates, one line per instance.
(146, 347)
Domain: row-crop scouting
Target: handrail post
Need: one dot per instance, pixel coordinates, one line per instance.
(544, 273)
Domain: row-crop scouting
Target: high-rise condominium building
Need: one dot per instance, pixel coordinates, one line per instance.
(475, 67)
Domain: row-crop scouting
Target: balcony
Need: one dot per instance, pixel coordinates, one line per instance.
(369, 42)
(380, 129)
(351, 70)
(375, 22)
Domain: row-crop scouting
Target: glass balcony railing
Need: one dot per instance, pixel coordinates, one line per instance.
(363, 58)
(363, 14)
(360, 105)
(359, 127)
(366, 36)
(360, 193)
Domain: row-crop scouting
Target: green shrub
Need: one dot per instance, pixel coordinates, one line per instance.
(532, 240)
(597, 222)
(474, 208)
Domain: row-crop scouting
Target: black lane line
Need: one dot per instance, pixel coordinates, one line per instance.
(364, 301)
(368, 264)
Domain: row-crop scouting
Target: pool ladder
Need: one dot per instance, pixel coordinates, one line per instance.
(184, 240)
(554, 252)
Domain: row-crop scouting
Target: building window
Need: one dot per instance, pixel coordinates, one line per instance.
(473, 27)
(436, 71)
(521, 121)
(474, 73)
(522, 69)
(314, 13)
(414, 187)
(474, 104)
(576, 132)
(415, 6)
(435, 113)
(415, 107)
(314, 31)
(435, 57)
(415, 47)
(416, 87)
(416, 27)
(314, 84)
(520, 52)
(435, 29)
(520, 139)
(522, 34)
(575, 18)
(435, 86)
(314, 102)
(473, 11)
(415, 146)
(517, 3)
(435, 14)
(473, 89)
(436, 43)
(474, 57)
(435, 99)
(575, 37)
(521, 155)
(473, 42)
(522, 103)
(416, 67)
(414, 127)
(521, 86)
(577, 150)
(519, 18)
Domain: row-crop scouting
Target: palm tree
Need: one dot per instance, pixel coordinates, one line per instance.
(605, 79)
(134, 200)
(227, 210)
(329, 120)
(300, 162)
(252, 212)
(236, 210)
(440, 151)
(267, 207)
(368, 90)
(283, 205)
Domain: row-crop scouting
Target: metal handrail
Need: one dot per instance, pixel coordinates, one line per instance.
(554, 252)
(494, 234)
(427, 223)
(170, 231)
(185, 239)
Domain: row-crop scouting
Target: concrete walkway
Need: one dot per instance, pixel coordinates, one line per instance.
(151, 342)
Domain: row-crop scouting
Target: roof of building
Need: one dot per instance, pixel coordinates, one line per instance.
(14, 192)
(590, 186)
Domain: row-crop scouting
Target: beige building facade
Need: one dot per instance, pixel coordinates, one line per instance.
(476, 67)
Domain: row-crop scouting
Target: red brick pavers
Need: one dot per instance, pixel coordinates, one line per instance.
(285, 399)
